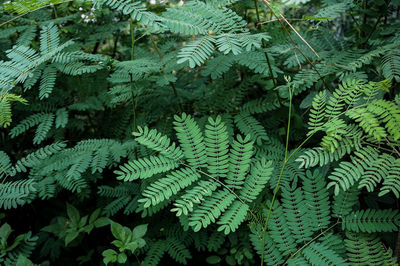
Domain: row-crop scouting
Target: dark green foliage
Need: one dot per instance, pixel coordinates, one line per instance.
(203, 132)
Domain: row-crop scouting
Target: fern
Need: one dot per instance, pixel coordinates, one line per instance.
(255, 182)
(5, 107)
(372, 221)
(144, 168)
(16, 193)
(196, 52)
(248, 125)
(391, 64)
(319, 254)
(239, 161)
(193, 196)
(154, 140)
(317, 198)
(364, 249)
(210, 209)
(191, 140)
(164, 188)
(216, 141)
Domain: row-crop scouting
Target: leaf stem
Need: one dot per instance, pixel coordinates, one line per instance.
(279, 180)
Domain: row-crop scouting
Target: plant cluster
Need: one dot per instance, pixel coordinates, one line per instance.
(214, 132)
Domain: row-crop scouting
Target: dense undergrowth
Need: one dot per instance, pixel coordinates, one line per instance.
(210, 132)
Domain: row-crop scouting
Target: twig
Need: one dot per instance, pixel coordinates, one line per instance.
(312, 240)
(394, 149)
(298, 34)
(295, 45)
(273, 20)
(285, 161)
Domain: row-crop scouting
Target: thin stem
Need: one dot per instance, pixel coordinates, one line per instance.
(372, 31)
(279, 179)
(294, 43)
(312, 240)
(132, 30)
(301, 37)
(274, 20)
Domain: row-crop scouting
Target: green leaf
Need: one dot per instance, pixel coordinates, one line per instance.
(102, 221)
(109, 255)
(73, 213)
(139, 231)
(117, 230)
(213, 259)
(70, 237)
(122, 258)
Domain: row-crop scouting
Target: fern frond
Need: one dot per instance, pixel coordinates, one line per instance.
(154, 140)
(260, 174)
(195, 195)
(248, 125)
(239, 161)
(317, 198)
(210, 209)
(5, 107)
(391, 182)
(391, 64)
(47, 82)
(37, 157)
(319, 254)
(364, 249)
(317, 113)
(145, 168)
(216, 141)
(344, 176)
(372, 221)
(191, 140)
(233, 217)
(16, 193)
(197, 52)
(164, 188)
